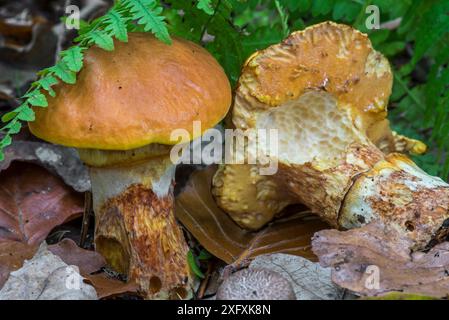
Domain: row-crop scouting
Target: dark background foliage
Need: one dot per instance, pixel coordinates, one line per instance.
(413, 35)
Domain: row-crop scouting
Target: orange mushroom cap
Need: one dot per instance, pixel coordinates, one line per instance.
(135, 96)
(328, 56)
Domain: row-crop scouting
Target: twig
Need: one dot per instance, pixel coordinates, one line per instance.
(86, 217)
(205, 281)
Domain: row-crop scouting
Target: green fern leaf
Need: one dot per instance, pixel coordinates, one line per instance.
(46, 83)
(147, 13)
(6, 141)
(13, 127)
(26, 114)
(102, 40)
(64, 73)
(116, 25)
(433, 26)
(73, 58)
(206, 6)
(36, 98)
(283, 15)
(9, 116)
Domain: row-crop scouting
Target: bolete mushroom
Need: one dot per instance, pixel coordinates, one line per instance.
(330, 57)
(326, 91)
(255, 284)
(120, 116)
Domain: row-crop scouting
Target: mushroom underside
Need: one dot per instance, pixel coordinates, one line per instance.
(328, 164)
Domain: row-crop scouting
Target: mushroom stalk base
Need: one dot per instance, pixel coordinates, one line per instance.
(136, 230)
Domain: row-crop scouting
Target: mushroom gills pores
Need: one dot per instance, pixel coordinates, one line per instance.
(256, 284)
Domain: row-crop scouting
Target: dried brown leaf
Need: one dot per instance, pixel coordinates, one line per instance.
(87, 261)
(33, 202)
(376, 259)
(107, 287)
(217, 232)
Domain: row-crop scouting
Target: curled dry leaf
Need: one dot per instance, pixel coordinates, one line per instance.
(107, 287)
(220, 235)
(90, 262)
(33, 202)
(14, 253)
(376, 259)
(46, 277)
(87, 261)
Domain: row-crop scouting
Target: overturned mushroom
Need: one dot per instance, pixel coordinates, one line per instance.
(256, 284)
(328, 57)
(326, 90)
(120, 116)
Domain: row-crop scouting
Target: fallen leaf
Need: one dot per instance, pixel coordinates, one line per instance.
(399, 296)
(12, 256)
(59, 160)
(218, 233)
(46, 277)
(33, 202)
(310, 281)
(89, 262)
(86, 260)
(107, 287)
(376, 259)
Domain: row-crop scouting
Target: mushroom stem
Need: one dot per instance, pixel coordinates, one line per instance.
(136, 230)
(397, 192)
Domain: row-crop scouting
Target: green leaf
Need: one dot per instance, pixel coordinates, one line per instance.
(392, 48)
(206, 6)
(13, 127)
(148, 14)
(9, 116)
(116, 25)
(204, 255)
(6, 141)
(2, 154)
(36, 98)
(284, 18)
(102, 40)
(73, 58)
(433, 26)
(301, 5)
(261, 39)
(322, 7)
(193, 265)
(46, 83)
(64, 73)
(26, 114)
(345, 10)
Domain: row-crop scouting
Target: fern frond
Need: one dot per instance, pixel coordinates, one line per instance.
(116, 24)
(206, 6)
(73, 58)
(148, 14)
